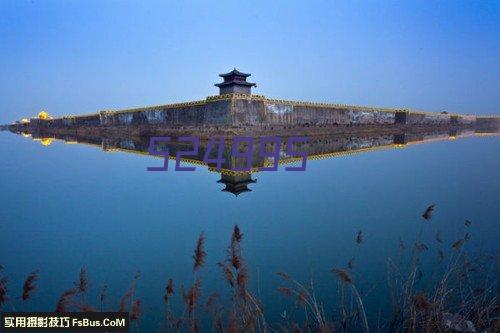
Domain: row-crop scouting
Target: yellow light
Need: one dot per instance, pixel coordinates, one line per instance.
(453, 137)
(46, 141)
(44, 115)
(25, 121)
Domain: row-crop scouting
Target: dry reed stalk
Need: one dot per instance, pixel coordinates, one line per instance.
(192, 296)
(102, 296)
(457, 245)
(83, 281)
(65, 300)
(350, 264)
(135, 312)
(346, 278)
(199, 252)
(29, 285)
(360, 237)
(428, 212)
(169, 290)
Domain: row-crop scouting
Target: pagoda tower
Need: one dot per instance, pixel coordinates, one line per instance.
(235, 82)
(236, 184)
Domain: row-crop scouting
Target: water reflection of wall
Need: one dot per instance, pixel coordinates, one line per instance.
(237, 182)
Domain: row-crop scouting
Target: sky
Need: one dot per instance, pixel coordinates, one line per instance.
(74, 57)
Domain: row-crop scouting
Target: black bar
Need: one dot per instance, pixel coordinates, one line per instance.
(64, 321)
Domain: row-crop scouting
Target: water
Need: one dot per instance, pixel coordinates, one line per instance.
(70, 206)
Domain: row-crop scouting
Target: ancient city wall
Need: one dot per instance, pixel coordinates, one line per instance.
(254, 110)
(215, 112)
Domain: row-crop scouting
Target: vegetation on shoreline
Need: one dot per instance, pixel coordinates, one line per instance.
(460, 294)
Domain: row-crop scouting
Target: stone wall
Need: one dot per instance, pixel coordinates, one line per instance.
(488, 123)
(420, 118)
(216, 112)
(297, 113)
(253, 110)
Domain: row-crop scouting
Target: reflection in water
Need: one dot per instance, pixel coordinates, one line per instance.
(335, 235)
(236, 182)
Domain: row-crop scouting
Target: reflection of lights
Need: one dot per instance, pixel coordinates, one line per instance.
(71, 142)
(46, 141)
(399, 145)
(43, 115)
(26, 135)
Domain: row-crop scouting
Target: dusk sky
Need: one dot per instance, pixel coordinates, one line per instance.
(73, 57)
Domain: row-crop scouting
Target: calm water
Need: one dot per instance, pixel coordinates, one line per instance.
(67, 206)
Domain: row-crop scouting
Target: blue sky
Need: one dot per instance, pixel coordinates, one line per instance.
(72, 57)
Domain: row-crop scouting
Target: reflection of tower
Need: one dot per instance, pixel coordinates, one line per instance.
(236, 184)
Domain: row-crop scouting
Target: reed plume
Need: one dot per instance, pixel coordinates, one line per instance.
(343, 275)
(29, 285)
(125, 299)
(83, 281)
(346, 278)
(350, 264)
(192, 296)
(199, 252)
(228, 273)
(285, 291)
(65, 300)
(428, 212)
(359, 237)
(169, 290)
(457, 245)
(237, 235)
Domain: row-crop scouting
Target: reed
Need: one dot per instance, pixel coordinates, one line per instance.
(103, 296)
(346, 278)
(428, 212)
(83, 281)
(135, 312)
(29, 285)
(199, 253)
(65, 300)
(459, 294)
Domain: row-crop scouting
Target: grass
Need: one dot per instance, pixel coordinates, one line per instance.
(459, 294)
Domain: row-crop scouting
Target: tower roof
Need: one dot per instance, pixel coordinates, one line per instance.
(235, 72)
